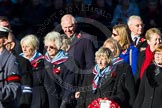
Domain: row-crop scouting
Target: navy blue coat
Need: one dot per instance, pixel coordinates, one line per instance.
(82, 49)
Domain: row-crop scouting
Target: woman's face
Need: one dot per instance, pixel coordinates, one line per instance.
(158, 58)
(154, 41)
(102, 62)
(115, 35)
(28, 51)
(51, 49)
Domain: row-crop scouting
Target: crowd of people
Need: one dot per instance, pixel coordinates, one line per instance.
(72, 70)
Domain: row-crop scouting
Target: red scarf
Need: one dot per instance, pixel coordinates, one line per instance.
(147, 61)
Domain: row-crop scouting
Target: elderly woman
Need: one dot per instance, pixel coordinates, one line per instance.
(149, 95)
(60, 72)
(125, 70)
(30, 45)
(105, 84)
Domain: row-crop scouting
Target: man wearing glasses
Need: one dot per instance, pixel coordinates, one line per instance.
(136, 27)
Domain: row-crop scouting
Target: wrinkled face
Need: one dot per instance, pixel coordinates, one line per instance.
(27, 50)
(68, 27)
(158, 58)
(51, 49)
(115, 35)
(101, 61)
(136, 27)
(154, 41)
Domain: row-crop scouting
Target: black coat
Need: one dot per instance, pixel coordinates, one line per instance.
(59, 86)
(141, 58)
(82, 49)
(150, 91)
(39, 94)
(119, 88)
(24, 99)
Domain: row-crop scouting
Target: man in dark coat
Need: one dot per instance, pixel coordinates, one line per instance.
(82, 44)
(136, 27)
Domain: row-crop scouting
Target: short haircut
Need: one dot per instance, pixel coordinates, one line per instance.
(68, 16)
(104, 52)
(131, 18)
(31, 41)
(53, 37)
(151, 31)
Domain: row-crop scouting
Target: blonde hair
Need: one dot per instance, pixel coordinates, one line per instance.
(159, 48)
(123, 32)
(53, 37)
(65, 43)
(31, 41)
(114, 45)
(104, 52)
(152, 31)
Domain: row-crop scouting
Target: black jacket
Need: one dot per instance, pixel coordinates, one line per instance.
(119, 88)
(150, 91)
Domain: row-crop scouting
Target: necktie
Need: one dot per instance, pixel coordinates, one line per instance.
(135, 41)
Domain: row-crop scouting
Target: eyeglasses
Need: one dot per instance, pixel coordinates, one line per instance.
(50, 47)
(138, 25)
(114, 34)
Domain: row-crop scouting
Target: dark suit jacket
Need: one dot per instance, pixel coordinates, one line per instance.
(82, 49)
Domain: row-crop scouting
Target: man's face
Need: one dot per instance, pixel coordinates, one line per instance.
(136, 27)
(68, 27)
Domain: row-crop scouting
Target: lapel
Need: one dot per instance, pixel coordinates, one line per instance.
(75, 41)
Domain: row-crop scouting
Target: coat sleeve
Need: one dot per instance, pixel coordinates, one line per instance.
(25, 94)
(12, 81)
(140, 96)
(130, 85)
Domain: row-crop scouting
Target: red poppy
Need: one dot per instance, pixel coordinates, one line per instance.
(142, 39)
(56, 70)
(113, 74)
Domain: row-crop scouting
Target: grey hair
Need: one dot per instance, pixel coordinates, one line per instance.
(53, 37)
(68, 16)
(31, 41)
(129, 22)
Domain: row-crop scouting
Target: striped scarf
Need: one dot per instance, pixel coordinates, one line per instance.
(100, 74)
(60, 57)
(34, 61)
